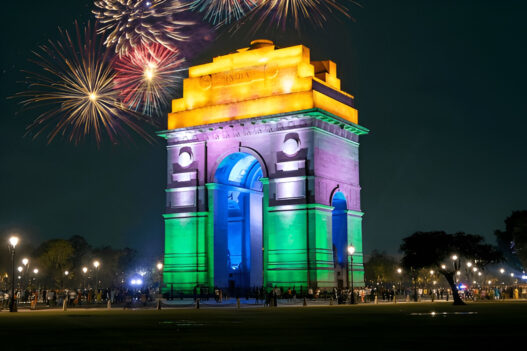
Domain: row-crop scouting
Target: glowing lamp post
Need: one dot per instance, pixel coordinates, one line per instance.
(351, 251)
(66, 273)
(84, 271)
(160, 269)
(13, 241)
(400, 272)
(96, 264)
(35, 272)
(25, 262)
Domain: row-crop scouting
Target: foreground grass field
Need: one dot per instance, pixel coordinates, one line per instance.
(367, 327)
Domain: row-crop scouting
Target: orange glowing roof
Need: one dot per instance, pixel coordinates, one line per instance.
(258, 81)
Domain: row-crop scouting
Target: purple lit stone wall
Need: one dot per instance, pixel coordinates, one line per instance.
(305, 157)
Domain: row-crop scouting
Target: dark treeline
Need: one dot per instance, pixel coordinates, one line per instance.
(428, 259)
(60, 264)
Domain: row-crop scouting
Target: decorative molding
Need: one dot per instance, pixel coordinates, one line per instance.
(185, 215)
(312, 118)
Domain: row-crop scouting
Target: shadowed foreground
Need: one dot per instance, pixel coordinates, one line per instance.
(374, 327)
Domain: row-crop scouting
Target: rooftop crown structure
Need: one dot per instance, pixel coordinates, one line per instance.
(263, 175)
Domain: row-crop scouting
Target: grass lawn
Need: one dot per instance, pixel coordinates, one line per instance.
(366, 327)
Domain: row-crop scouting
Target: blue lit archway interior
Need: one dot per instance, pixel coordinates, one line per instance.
(340, 236)
(238, 223)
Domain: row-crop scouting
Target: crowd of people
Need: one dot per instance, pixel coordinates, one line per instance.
(77, 297)
(268, 297)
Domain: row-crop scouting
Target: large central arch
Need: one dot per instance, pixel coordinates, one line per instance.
(238, 262)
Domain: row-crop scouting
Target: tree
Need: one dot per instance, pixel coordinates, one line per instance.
(380, 267)
(445, 253)
(82, 250)
(55, 257)
(513, 241)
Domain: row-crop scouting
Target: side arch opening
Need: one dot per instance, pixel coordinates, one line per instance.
(340, 238)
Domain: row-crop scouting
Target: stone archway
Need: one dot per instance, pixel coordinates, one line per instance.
(237, 211)
(340, 237)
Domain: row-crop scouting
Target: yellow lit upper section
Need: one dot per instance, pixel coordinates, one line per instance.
(258, 81)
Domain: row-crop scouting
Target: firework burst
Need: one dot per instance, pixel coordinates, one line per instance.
(75, 87)
(223, 11)
(281, 12)
(147, 78)
(132, 23)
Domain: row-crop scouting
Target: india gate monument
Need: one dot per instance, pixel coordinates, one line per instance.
(263, 175)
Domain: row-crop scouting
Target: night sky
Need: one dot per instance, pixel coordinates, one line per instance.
(441, 84)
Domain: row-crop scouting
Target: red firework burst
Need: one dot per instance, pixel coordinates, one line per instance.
(148, 78)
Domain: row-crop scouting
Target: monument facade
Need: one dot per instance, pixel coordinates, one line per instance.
(263, 175)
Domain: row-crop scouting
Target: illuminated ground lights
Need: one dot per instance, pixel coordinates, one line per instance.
(263, 185)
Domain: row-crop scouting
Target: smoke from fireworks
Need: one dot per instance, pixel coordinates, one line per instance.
(75, 86)
(223, 11)
(147, 78)
(131, 23)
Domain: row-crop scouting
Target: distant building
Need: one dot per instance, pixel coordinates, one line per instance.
(263, 175)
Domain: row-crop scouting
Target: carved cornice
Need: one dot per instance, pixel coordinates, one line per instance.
(313, 118)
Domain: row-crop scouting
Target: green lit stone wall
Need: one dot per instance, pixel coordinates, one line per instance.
(286, 248)
(299, 246)
(321, 246)
(185, 251)
(355, 237)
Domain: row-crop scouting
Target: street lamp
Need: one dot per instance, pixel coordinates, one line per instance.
(502, 270)
(469, 264)
(25, 262)
(160, 269)
(400, 272)
(96, 264)
(454, 257)
(84, 270)
(20, 269)
(351, 251)
(35, 272)
(13, 241)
